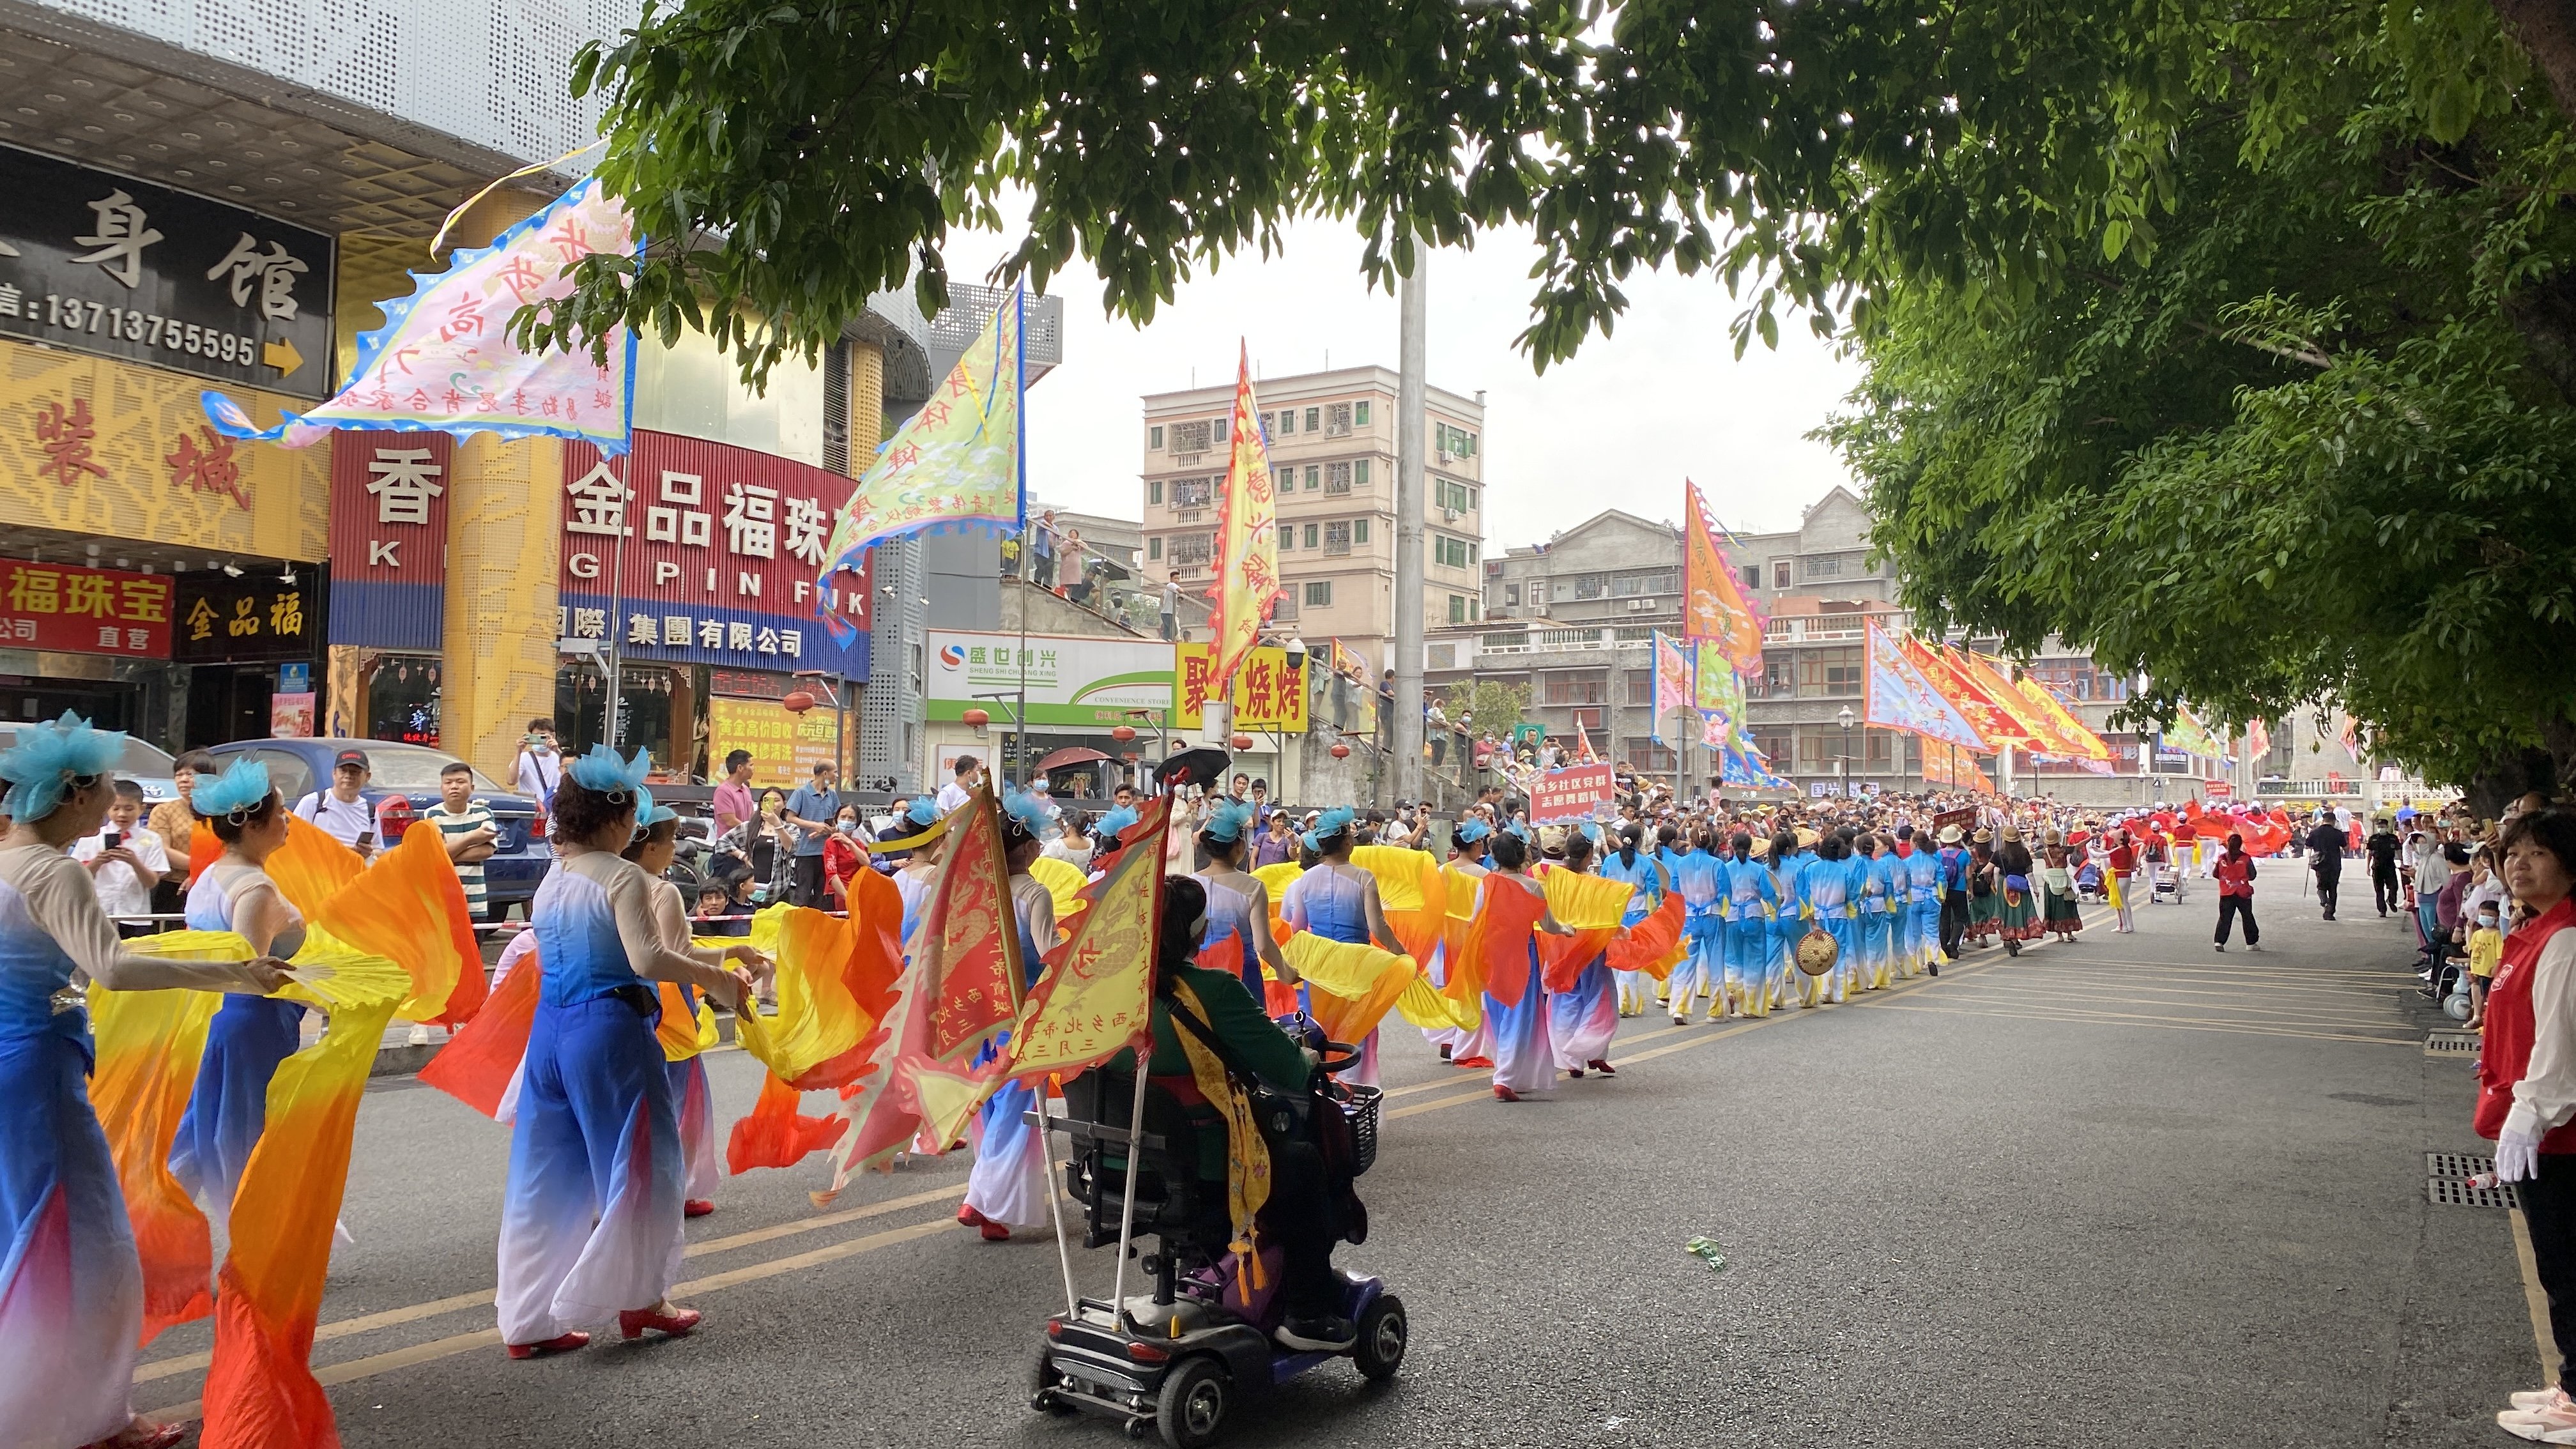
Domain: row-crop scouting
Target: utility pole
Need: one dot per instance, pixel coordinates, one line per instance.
(1412, 434)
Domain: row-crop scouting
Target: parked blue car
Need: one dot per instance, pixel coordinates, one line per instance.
(297, 768)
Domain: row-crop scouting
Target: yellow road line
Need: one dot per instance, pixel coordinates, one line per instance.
(439, 1348)
(392, 1317)
(2535, 1299)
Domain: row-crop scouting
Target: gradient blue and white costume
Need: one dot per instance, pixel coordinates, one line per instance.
(1646, 895)
(1524, 1055)
(1009, 1183)
(1795, 915)
(1751, 894)
(591, 1224)
(1829, 887)
(1923, 912)
(1700, 879)
(1874, 876)
(251, 1036)
(1331, 902)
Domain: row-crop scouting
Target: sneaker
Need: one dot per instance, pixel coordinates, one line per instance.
(2532, 1400)
(1934, 968)
(2550, 1423)
(1316, 1335)
(2222, 948)
(2250, 946)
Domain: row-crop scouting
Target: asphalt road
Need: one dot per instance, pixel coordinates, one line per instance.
(2125, 1189)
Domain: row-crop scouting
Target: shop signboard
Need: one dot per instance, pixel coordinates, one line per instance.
(105, 264)
(785, 747)
(694, 552)
(389, 539)
(1571, 794)
(68, 610)
(1267, 694)
(223, 620)
(1094, 683)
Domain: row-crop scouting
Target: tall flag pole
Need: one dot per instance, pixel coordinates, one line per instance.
(1714, 606)
(1247, 541)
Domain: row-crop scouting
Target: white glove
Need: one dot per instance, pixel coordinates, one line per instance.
(2517, 1157)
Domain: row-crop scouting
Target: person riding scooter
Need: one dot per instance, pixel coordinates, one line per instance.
(1308, 1210)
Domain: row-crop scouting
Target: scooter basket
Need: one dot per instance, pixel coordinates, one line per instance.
(1362, 1110)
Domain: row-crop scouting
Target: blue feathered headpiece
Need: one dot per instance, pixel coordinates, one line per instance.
(1470, 832)
(1115, 823)
(49, 757)
(649, 812)
(1227, 822)
(602, 772)
(1329, 824)
(232, 795)
(1028, 810)
(923, 812)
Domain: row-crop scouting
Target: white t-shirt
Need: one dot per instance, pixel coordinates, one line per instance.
(539, 772)
(120, 891)
(342, 820)
(951, 795)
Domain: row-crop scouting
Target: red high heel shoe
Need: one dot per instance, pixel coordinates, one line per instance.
(1505, 1094)
(968, 1217)
(1604, 1068)
(676, 1323)
(696, 1207)
(993, 1232)
(564, 1344)
(1481, 1064)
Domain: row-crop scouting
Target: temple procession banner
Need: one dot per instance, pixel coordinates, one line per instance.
(1714, 608)
(1673, 682)
(961, 463)
(1992, 723)
(2061, 720)
(444, 361)
(1718, 689)
(1896, 694)
(1246, 587)
(2190, 736)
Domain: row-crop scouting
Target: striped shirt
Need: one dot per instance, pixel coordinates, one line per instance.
(473, 817)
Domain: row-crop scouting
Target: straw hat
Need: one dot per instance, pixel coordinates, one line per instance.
(1817, 952)
(1950, 835)
(1807, 838)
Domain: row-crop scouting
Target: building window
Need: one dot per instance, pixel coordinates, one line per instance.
(1337, 420)
(1287, 537)
(1314, 477)
(1154, 492)
(1190, 548)
(1337, 537)
(1829, 672)
(1455, 441)
(1641, 686)
(1878, 752)
(1570, 689)
(1154, 438)
(1218, 427)
(1319, 594)
(1780, 575)
(1360, 472)
(1780, 675)
(1752, 576)
(1452, 495)
(1454, 553)
(1154, 546)
(1591, 586)
(1286, 608)
(1285, 480)
(1511, 593)
(1360, 413)
(1265, 424)
(1457, 608)
(1337, 478)
(1287, 420)
(1193, 492)
(1314, 418)
(1774, 745)
(1658, 581)
(1359, 530)
(1190, 437)
(1310, 535)
(1830, 567)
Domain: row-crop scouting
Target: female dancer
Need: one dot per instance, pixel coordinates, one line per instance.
(2019, 914)
(1879, 893)
(71, 1285)
(1985, 889)
(591, 1223)
(1238, 935)
(657, 836)
(1750, 897)
(1650, 881)
(1466, 861)
(1789, 865)
(1338, 901)
(912, 878)
(1583, 1018)
(251, 1035)
(1524, 1061)
(1700, 877)
(1923, 872)
(2065, 914)
(1831, 888)
(1008, 1186)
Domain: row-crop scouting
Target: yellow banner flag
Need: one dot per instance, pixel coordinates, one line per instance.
(1247, 539)
(1097, 997)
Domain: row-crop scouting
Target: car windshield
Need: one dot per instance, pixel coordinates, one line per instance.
(409, 767)
(140, 761)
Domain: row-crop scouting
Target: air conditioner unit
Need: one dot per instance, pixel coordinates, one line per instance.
(1448, 515)
(1448, 457)
(1635, 605)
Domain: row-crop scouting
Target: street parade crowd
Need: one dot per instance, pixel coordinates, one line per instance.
(147, 1097)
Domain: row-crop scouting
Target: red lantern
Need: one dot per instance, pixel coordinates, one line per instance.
(1122, 733)
(1341, 751)
(797, 701)
(978, 718)
(1240, 743)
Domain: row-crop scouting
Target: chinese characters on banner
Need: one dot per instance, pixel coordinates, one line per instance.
(1571, 794)
(1714, 607)
(784, 747)
(1897, 695)
(389, 539)
(121, 268)
(1097, 997)
(1246, 588)
(1673, 681)
(722, 547)
(1267, 694)
(444, 359)
(218, 619)
(1718, 689)
(83, 611)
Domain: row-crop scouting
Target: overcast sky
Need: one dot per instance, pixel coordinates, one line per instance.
(1621, 426)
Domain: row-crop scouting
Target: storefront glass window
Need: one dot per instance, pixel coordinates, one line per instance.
(402, 700)
(693, 389)
(644, 719)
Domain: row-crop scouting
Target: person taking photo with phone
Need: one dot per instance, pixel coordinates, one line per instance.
(124, 859)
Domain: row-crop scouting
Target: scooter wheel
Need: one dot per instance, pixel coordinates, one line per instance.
(2456, 1007)
(1042, 1395)
(1383, 1333)
(1191, 1409)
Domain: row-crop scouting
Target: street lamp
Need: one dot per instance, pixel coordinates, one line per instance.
(1844, 764)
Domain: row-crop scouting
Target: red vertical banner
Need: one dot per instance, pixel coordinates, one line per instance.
(389, 538)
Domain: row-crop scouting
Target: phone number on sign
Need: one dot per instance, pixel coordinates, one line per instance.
(149, 328)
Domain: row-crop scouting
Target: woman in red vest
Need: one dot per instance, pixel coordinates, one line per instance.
(2235, 872)
(2527, 1085)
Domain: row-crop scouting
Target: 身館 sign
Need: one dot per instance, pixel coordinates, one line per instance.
(1093, 683)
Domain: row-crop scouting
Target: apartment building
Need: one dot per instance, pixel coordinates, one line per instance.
(1332, 441)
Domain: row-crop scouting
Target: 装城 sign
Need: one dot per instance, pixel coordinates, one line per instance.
(102, 263)
(1571, 794)
(67, 610)
(1268, 695)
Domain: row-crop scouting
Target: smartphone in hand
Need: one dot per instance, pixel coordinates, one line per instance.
(366, 840)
